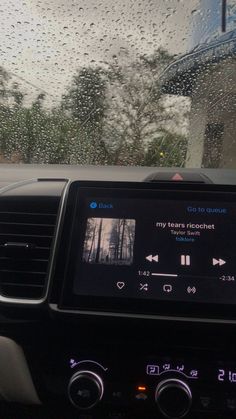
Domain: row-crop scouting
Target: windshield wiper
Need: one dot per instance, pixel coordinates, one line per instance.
(223, 17)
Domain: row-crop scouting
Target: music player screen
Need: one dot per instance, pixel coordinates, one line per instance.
(150, 247)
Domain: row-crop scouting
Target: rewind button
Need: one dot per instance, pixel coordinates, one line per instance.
(152, 258)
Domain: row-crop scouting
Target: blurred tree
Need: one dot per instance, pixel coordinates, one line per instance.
(138, 110)
(11, 100)
(86, 102)
(9, 92)
(4, 79)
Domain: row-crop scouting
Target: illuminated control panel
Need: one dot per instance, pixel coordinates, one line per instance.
(165, 387)
(161, 369)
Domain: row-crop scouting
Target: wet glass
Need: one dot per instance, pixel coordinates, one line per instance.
(118, 82)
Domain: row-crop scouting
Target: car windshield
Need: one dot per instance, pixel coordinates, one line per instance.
(118, 82)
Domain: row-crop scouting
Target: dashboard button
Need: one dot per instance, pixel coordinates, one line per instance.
(117, 394)
(208, 402)
(230, 403)
(85, 389)
(141, 397)
(205, 402)
(174, 398)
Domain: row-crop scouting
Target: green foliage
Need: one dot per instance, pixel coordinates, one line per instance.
(115, 115)
(86, 96)
(167, 150)
(86, 104)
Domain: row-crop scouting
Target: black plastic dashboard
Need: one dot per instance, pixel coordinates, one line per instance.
(130, 357)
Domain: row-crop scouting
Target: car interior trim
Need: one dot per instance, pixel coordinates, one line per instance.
(16, 384)
(25, 301)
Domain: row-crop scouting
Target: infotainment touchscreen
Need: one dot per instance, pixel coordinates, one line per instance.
(152, 244)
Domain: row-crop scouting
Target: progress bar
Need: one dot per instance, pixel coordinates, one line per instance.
(171, 275)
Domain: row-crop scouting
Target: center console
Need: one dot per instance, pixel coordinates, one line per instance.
(137, 311)
(145, 274)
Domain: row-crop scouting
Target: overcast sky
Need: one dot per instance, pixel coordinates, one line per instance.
(44, 42)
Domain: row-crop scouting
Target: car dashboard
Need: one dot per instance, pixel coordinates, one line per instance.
(117, 293)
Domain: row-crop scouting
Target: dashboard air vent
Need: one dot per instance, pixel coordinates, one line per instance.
(27, 226)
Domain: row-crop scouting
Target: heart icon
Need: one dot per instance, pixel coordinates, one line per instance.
(120, 285)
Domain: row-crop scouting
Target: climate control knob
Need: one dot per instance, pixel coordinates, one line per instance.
(174, 398)
(85, 389)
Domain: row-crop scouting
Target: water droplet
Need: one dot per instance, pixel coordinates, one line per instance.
(195, 12)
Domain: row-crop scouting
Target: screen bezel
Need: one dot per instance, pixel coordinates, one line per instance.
(71, 302)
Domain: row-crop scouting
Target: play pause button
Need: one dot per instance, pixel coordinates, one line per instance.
(185, 260)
